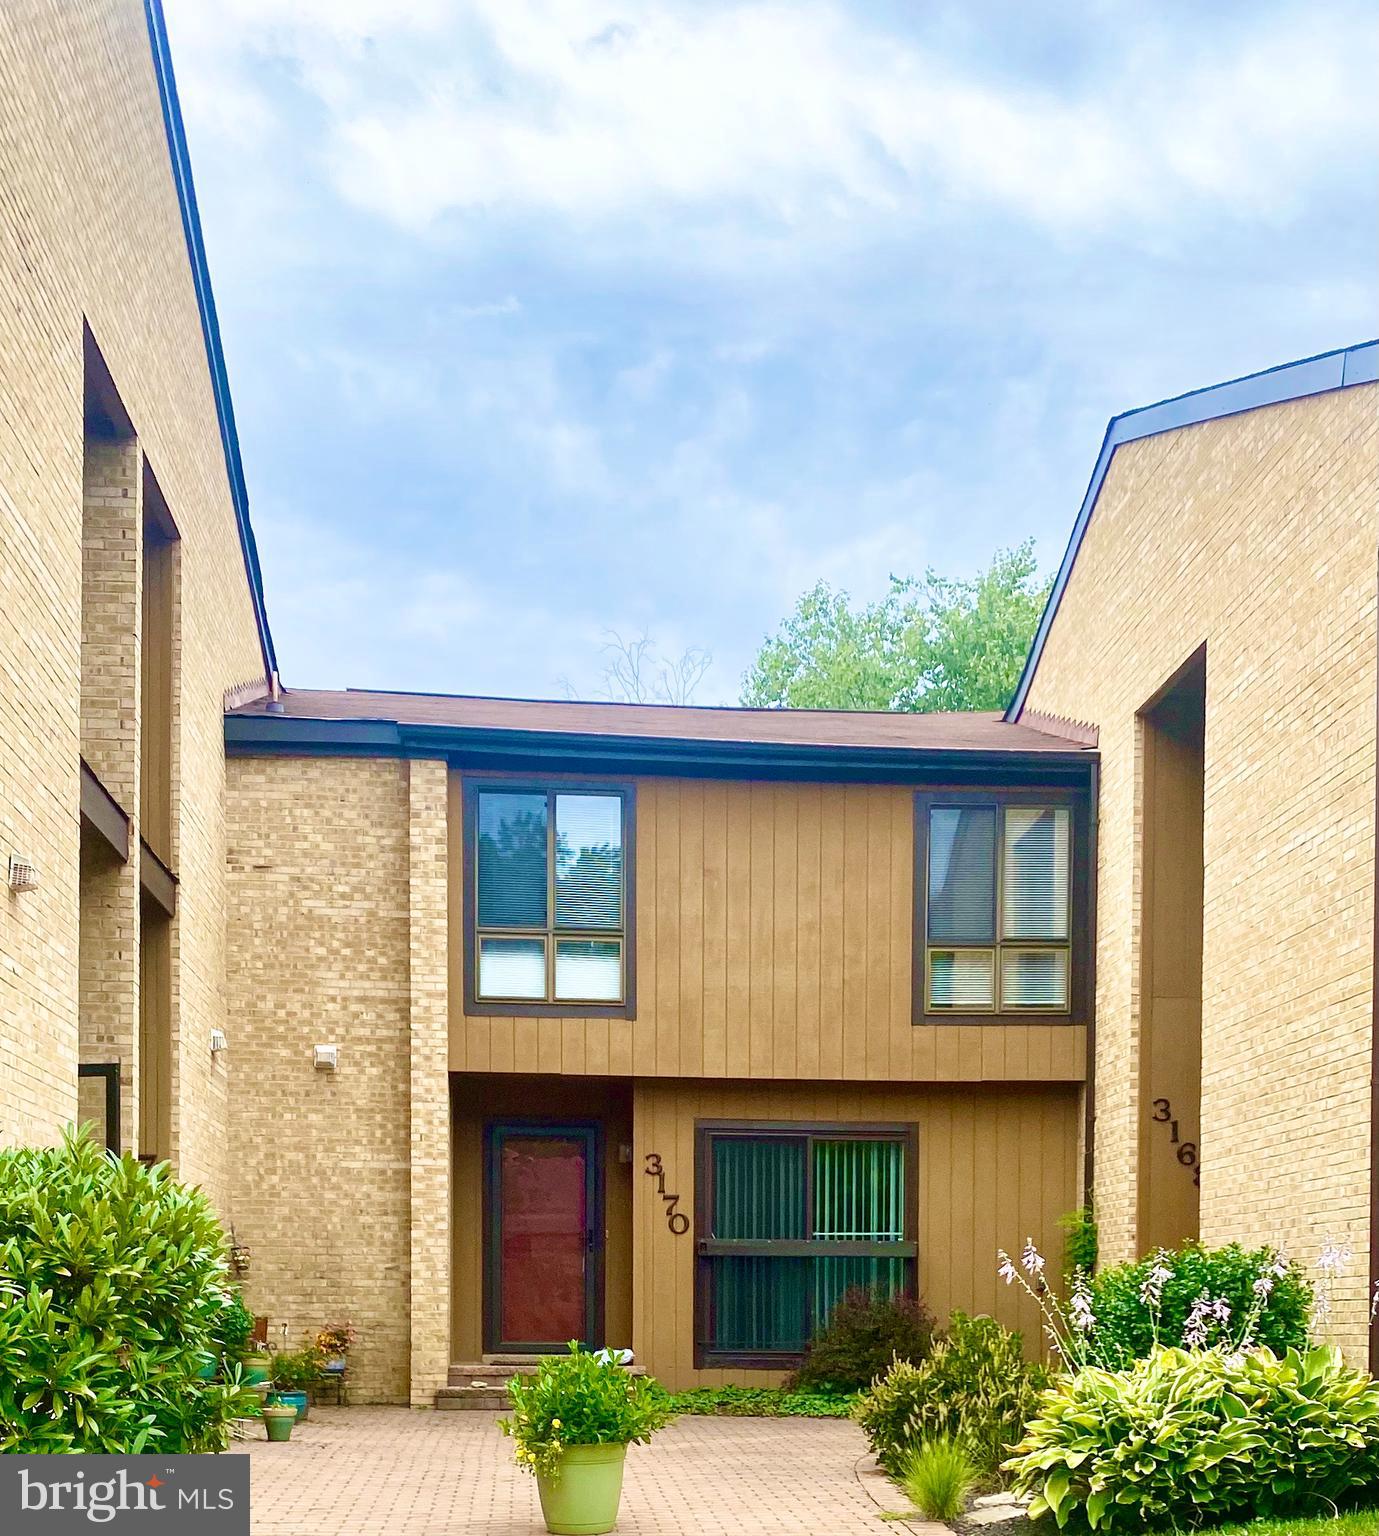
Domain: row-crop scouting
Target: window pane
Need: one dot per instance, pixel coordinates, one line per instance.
(512, 860)
(1034, 894)
(962, 874)
(512, 968)
(962, 978)
(834, 1276)
(758, 1187)
(1034, 978)
(588, 861)
(859, 1190)
(588, 970)
(759, 1304)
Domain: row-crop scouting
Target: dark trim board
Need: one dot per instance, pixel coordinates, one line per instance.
(1082, 914)
(473, 1006)
(1318, 375)
(110, 1071)
(157, 881)
(181, 167)
(103, 813)
(538, 753)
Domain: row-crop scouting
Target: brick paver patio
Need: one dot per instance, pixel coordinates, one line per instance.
(395, 1472)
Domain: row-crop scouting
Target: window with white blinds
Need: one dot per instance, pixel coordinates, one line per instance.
(549, 893)
(998, 921)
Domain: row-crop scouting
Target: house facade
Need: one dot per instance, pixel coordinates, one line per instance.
(654, 1027)
(490, 1024)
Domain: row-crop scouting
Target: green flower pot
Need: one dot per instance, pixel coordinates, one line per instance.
(583, 1500)
(257, 1368)
(279, 1422)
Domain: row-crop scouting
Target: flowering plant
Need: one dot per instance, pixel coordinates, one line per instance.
(336, 1339)
(1195, 1297)
(581, 1399)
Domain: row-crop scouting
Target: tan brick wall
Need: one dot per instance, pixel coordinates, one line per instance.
(337, 927)
(90, 230)
(1256, 534)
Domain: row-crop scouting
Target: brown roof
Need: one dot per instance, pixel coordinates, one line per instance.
(823, 728)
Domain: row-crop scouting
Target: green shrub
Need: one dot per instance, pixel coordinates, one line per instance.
(1081, 1242)
(938, 1477)
(762, 1403)
(1126, 1327)
(297, 1370)
(1194, 1437)
(976, 1385)
(581, 1399)
(234, 1331)
(864, 1333)
(114, 1285)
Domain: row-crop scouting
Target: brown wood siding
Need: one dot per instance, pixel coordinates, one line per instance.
(774, 940)
(995, 1166)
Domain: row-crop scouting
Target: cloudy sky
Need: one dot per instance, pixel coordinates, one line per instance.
(546, 318)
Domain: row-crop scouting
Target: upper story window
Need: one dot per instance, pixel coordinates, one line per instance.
(996, 879)
(549, 896)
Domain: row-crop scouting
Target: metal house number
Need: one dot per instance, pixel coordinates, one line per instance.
(677, 1221)
(1187, 1150)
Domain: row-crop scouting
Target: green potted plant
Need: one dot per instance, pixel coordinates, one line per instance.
(572, 1423)
(278, 1419)
(294, 1373)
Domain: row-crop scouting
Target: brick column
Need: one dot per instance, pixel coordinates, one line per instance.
(108, 988)
(429, 1289)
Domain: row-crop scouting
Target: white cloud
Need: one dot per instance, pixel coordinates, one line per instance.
(805, 115)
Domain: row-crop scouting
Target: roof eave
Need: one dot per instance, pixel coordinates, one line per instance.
(1318, 375)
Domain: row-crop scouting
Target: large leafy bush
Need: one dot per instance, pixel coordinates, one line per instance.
(975, 1385)
(1195, 1437)
(865, 1332)
(112, 1287)
(1128, 1323)
(581, 1399)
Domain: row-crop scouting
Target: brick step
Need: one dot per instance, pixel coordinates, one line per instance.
(475, 1399)
(499, 1370)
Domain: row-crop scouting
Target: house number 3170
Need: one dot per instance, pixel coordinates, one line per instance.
(677, 1221)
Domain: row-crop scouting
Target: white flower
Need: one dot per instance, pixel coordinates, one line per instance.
(1263, 1285)
(1195, 1328)
(1335, 1258)
(1080, 1307)
(1032, 1259)
(1221, 1310)
(1006, 1269)
(1152, 1290)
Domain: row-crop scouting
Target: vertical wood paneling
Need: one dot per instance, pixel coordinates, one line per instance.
(774, 940)
(996, 1166)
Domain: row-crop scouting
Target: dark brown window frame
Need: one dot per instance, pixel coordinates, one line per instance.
(706, 1248)
(472, 785)
(1079, 1009)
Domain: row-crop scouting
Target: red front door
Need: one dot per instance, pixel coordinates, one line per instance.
(543, 1237)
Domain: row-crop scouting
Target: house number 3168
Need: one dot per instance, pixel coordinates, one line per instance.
(677, 1221)
(1186, 1151)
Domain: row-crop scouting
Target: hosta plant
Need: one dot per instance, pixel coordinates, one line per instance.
(1194, 1437)
(581, 1399)
(113, 1296)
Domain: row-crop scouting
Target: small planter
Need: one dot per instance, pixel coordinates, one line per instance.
(257, 1368)
(583, 1500)
(278, 1419)
(297, 1401)
(208, 1372)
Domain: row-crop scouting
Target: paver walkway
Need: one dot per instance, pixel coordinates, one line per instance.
(395, 1472)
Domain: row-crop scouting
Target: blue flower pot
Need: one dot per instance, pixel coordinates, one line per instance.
(297, 1400)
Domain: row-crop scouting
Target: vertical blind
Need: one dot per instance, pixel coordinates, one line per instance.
(820, 1189)
(998, 910)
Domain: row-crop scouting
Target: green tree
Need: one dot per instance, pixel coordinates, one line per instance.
(929, 644)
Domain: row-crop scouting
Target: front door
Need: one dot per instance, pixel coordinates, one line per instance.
(543, 1237)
